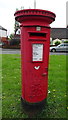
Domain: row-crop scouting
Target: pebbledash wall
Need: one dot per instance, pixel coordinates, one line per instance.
(3, 34)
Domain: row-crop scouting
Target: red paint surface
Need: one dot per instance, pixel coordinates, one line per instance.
(34, 82)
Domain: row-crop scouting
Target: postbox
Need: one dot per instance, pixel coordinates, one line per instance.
(35, 42)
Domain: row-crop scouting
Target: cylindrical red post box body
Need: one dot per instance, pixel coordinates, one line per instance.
(35, 42)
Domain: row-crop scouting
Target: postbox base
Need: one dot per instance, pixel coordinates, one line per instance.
(42, 103)
(33, 109)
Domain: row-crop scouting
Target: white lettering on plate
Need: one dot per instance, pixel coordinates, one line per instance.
(38, 28)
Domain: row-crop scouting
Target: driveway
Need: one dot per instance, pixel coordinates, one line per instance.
(17, 51)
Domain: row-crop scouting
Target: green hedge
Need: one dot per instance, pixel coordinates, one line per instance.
(57, 42)
(65, 41)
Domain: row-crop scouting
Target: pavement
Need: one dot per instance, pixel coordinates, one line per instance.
(18, 51)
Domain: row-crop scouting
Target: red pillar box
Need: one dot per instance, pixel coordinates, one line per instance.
(35, 42)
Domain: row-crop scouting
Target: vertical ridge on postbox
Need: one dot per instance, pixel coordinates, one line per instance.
(35, 42)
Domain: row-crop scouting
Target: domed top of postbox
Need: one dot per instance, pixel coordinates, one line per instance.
(35, 17)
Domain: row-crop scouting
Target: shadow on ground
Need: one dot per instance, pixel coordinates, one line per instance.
(33, 110)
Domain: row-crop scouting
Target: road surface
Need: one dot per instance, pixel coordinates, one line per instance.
(17, 51)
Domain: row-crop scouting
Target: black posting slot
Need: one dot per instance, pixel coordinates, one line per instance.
(38, 35)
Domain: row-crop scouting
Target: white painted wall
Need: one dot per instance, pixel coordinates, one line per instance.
(3, 33)
(64, 40)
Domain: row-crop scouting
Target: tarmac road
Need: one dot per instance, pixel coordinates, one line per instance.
(17, 51)
(9, 51)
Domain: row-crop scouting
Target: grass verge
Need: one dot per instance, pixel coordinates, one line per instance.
(11, 88)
